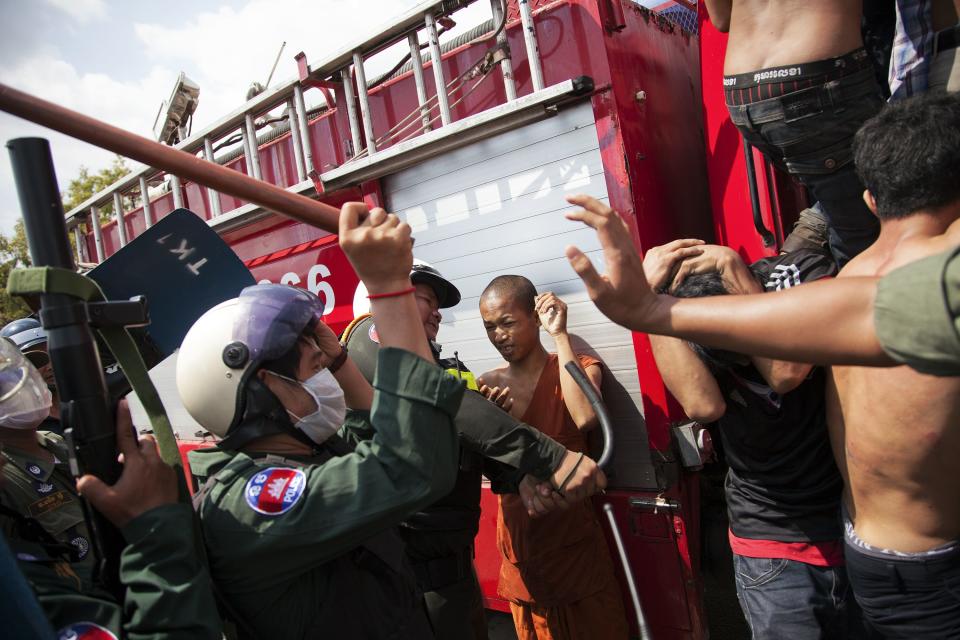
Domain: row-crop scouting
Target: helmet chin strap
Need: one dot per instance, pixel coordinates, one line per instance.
(262, 415)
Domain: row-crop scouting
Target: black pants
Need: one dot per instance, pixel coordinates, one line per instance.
(914, 597)
(809, 132)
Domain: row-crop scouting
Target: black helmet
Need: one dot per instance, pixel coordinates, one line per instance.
(25, 333)
(423, 273)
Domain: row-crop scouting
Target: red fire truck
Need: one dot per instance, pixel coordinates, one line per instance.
(620, 99)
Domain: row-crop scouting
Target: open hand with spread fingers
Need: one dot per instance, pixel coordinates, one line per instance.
(622, 293)
(496, 395)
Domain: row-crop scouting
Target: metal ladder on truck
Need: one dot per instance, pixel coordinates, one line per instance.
(426, 131)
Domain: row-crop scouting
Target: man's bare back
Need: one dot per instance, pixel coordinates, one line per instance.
(896, 432)
(774, 33)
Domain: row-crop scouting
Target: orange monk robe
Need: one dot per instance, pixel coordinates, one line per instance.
(557, 572)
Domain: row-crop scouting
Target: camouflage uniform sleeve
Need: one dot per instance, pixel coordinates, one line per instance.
(169, 593)
(916, 314)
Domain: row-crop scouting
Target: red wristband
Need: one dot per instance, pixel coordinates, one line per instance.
(391, 294)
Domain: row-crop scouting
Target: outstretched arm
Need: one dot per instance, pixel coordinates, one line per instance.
(738, 323)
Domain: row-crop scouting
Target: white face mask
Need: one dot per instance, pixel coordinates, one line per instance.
(331, 406)
(25, 400)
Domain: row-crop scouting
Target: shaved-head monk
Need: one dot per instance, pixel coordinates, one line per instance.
(557, 572)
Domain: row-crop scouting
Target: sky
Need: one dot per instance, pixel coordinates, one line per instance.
(118, 60)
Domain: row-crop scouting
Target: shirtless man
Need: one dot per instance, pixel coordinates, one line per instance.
(557, 572)
(798, 84)
(894, 431)
(899, 430)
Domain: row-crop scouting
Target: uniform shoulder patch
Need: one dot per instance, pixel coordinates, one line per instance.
(275, 490)
(85, 631)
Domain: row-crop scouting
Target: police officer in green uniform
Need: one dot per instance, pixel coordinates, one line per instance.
(31, 338)
(168, 590)
(439, 537)
(38, 499)
(298, 524)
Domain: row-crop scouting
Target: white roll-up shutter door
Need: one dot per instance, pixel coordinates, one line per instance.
(497, 207)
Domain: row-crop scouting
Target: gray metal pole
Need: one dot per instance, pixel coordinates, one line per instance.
(530, 41)
(254, 157)
(294, 123)
(118, 215)
(435, 60)
(417, 62)
(306, 145)
(631, 583)
(145, 199)
(97, 233)
(212, 194)
(351, 111)
(177, 190)
(361, 77)
(81, 244)
(506, 65)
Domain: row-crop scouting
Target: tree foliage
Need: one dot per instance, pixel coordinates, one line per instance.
(13, 254)
(87, 184)
(13, 248)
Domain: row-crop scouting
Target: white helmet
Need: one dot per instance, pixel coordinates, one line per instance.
(230, 341)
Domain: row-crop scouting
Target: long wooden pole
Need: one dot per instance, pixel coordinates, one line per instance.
(174, 161)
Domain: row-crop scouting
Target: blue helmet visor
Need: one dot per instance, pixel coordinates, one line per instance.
(271, 318)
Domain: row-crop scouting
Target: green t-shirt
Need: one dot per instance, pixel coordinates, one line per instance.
(916, 314)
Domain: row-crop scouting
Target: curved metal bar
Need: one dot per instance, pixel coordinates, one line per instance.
(606, 424)
(631, 583)
(173, 161)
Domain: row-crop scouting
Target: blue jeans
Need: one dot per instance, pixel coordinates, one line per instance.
(787, 599)
(809, 134)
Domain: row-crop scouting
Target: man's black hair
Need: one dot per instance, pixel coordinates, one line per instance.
(908, 155)
(288, 364)
(702, 285)
(513, 287)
